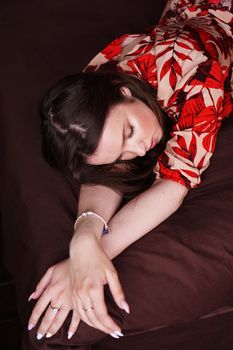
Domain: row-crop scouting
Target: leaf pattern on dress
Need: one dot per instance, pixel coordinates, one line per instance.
(145, 67)
(114, 48)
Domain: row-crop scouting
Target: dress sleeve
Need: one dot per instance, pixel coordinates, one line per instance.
(193, 137)
(194, 86)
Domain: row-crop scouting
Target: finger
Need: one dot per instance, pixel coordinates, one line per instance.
(38, 309)
(43, 283)
(117, 291)
(73, 324)
(46, 322)
(57, 322)
(99, 315)
(82, 314)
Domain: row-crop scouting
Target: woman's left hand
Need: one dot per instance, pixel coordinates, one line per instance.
(54, 294)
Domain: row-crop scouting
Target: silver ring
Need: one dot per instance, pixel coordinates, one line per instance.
(88, 309)
(54, 309)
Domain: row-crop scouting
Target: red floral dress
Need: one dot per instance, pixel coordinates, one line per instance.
(188, 59)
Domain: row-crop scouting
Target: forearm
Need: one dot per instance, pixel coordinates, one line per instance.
(100, 199)
(142, 214)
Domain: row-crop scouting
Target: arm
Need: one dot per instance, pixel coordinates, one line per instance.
(135, 219)
(142, 214)
(103, 200)
(54, 286)
(100, 199)
(130, 223)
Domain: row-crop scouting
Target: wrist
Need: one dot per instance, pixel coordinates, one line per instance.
(83, 240)
(94, 215)
(89, 227)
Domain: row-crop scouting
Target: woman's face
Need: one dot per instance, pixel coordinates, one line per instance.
(130, 130)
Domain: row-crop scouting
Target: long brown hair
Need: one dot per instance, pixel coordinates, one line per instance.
(73, 114)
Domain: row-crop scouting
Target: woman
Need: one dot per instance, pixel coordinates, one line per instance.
(107, 129)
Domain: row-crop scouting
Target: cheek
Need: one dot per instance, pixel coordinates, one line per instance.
(148, 125)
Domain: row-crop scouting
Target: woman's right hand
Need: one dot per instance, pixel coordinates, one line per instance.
(90, 270)
(53, 289)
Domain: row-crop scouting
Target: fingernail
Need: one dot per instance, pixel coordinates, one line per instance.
(31, 296)
(39, 336)
(119, 333)
(48, 335)
(70, 334)
(114, 335)
(125, 306)
(30, 326)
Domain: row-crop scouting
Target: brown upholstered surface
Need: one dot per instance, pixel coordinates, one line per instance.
(9, 320)
(184, 266)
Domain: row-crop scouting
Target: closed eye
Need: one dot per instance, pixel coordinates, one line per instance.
(132, 129)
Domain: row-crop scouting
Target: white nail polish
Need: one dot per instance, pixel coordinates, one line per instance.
(125, 306)
(119, 333)
(31, 296)
(48, 335)
(114, 335)
(30, 326)
(70, 334)
(39, 336)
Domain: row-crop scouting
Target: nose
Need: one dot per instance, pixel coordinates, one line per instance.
(140, 149)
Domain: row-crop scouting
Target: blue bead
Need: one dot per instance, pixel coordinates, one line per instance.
(105, 231)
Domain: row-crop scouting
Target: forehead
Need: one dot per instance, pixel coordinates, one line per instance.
(110, 144)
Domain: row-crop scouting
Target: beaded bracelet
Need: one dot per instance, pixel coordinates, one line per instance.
(106, 229)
